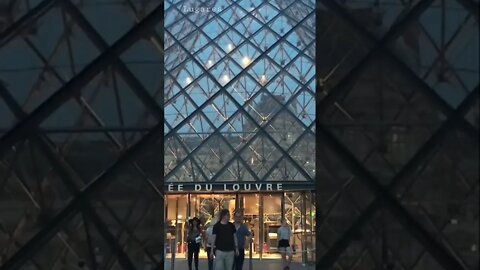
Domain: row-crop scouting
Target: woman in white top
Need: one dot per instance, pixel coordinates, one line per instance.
(207, 240)
(283, 235)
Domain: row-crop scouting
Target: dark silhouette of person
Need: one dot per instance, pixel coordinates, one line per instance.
(194, 239)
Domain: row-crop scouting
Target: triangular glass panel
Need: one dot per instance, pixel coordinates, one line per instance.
(46, 36)
(197, 125)
(264, 38)
(239, 130)
(202, 90)
(285, 170)
(280, 25)
(188, 70)
(265, 12)
(18, 57)
(182, 105)
(210, 55)
(8, 117)
(194, 44)
(285, 129)
(230, 40)
(178, 110)
(96, 14)
(176, 150)
(174, 15)
(233, 14)
(302, 68)
(212, 155)
(214, 27)
(261, 155)
(79, 48)
(174, 56)
(248, 25)
(303, 106)
(235, 171)
(304, 147)
(45, 84)
(263, 70)
(263, 107)
(225, 70)
(243, 89)
(283, 54)
(220, 110)
(191, 171)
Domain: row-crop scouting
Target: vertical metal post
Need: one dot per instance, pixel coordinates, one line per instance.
(261, 237)
(242, 202)
(189, 204)
(304, 228)
(293, 225)
(214, 205)
(282, 205)
(312, 201)
(195, 199)
(177, 234)
(237, 201)
(250, 262)
(165, 205)
(165, 218)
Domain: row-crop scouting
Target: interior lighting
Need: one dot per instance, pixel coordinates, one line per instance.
(188, 80)
(225, 78)
(230, 47)
(263, 79)
(209, 63)
(246, 61)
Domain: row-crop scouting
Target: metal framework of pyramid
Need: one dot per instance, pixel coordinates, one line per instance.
(240, 92)
(96, 94)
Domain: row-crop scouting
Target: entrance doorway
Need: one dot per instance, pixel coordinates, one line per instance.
(262, 214)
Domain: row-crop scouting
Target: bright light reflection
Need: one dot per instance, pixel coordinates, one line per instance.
(225, 78)
(246, 61)
(263, 79)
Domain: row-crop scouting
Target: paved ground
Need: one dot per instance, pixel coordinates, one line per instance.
(181, 264)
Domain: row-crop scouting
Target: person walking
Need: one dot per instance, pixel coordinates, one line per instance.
(225, 245)
(208, 241)
(283, 235)
(243, 239)
(194, 239)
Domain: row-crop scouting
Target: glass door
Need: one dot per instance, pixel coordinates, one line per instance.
(250, 204)
(271, 217)
(262, 214)
(300, 214)
(176, 215)
(204, 206)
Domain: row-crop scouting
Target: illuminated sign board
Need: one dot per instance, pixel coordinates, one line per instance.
(235, 187)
